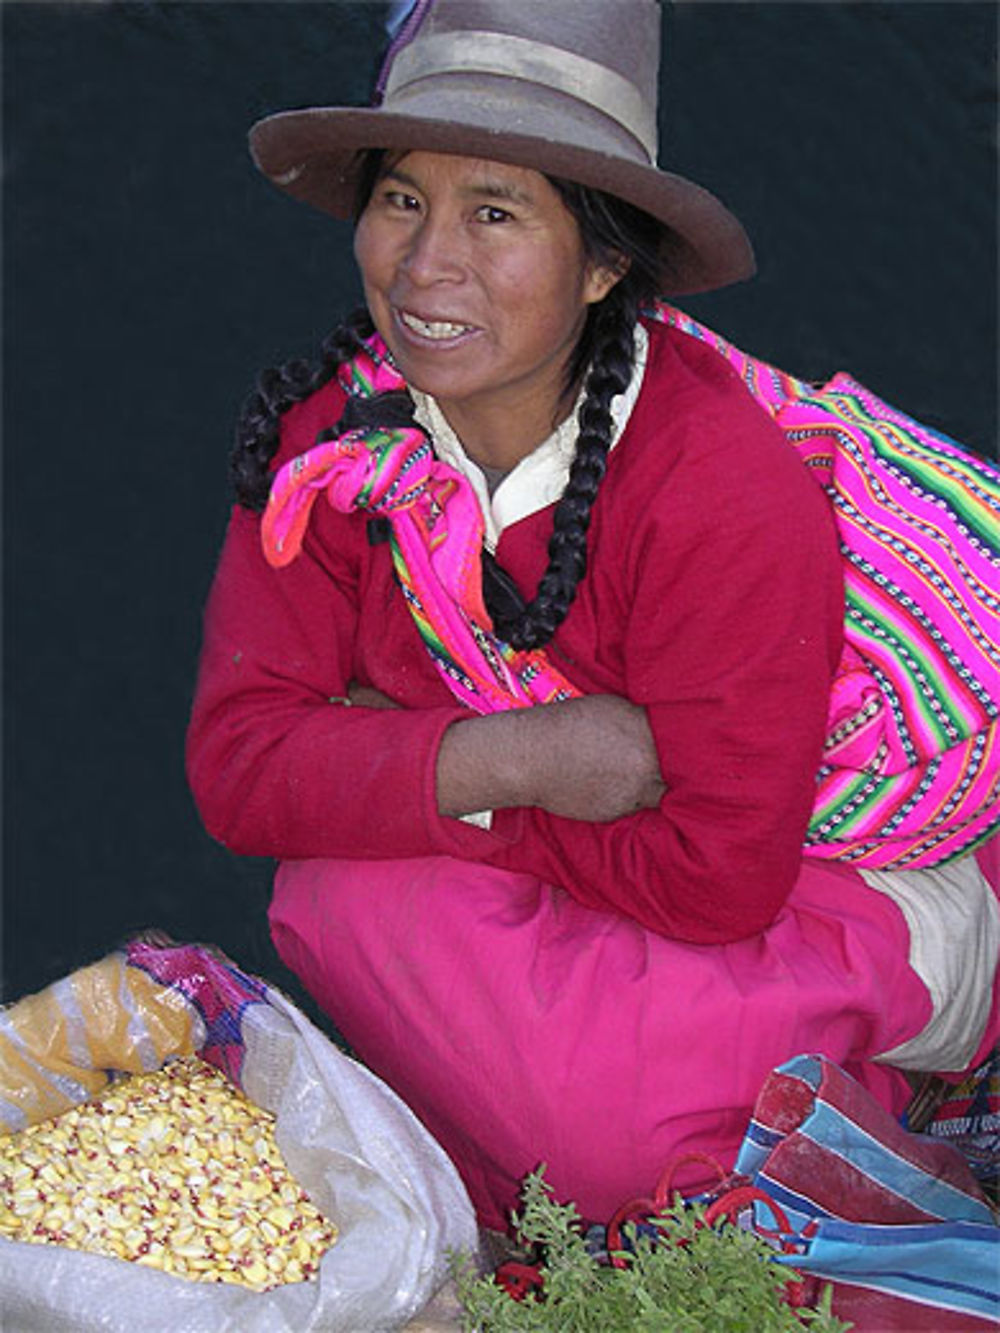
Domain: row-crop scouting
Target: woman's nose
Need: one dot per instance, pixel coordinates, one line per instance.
(434, 253)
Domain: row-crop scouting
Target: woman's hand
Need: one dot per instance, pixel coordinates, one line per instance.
(592, 759)
(366, 696)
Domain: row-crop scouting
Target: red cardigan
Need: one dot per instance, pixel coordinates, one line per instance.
(713, 597)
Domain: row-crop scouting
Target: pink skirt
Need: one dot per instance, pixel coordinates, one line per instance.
(523, 1028)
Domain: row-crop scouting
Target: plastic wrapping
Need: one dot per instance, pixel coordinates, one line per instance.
(362, 1156)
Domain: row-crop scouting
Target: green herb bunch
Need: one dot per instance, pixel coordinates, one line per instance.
(697, 1279)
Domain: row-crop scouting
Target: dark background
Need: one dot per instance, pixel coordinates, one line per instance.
(149, 273)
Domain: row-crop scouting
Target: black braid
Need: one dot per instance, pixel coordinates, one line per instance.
(257, 431)
(277, 390)
(612, 231)
(611, 369)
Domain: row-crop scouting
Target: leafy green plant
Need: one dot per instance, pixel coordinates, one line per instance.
(697, 1279)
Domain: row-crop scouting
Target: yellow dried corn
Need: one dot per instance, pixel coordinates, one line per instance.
(177, 1170)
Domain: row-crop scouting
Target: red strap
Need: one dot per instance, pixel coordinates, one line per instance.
(664, 1192)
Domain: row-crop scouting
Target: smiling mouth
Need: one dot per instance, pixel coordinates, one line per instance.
(437, 330)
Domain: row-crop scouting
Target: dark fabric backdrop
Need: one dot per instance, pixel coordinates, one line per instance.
(149, 273)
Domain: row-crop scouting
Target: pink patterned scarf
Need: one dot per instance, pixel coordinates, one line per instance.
(436, 539)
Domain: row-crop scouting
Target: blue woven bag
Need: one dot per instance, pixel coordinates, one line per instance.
(894, 1220)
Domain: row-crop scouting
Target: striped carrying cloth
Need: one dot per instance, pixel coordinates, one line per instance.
(912, 764)
(911, 771)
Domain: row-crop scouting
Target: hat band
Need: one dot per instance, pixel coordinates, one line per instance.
(471, 52)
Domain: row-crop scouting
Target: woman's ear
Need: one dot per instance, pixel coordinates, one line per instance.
(601, 278)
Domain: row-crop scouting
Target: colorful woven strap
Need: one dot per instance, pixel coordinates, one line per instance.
(911, 771)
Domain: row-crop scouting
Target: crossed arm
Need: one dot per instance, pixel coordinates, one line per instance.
(590, 759)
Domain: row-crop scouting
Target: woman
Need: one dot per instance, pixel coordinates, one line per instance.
(581, 932)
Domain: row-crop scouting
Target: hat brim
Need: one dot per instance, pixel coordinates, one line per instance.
(314, 155)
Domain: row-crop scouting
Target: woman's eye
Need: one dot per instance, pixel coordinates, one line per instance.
(491, 214)
(399, 199)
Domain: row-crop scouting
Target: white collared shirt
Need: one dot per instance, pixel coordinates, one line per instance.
(540, 478)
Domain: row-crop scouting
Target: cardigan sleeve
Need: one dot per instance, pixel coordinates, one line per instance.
(716, 586)
(277, 764)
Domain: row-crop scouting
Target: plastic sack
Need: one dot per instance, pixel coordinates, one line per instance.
(361, 1155)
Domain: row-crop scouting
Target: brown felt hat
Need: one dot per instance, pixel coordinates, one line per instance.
(567, 87)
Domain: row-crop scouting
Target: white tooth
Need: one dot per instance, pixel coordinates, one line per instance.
(433, 328)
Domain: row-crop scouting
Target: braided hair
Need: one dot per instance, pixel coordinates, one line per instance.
(615, 235)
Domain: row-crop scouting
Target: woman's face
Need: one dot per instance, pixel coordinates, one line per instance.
(476, 277)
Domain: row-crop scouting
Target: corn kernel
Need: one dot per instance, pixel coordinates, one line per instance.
(176, 1171)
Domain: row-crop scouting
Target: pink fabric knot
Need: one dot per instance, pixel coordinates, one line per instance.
(379, 470)
(437, 537)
